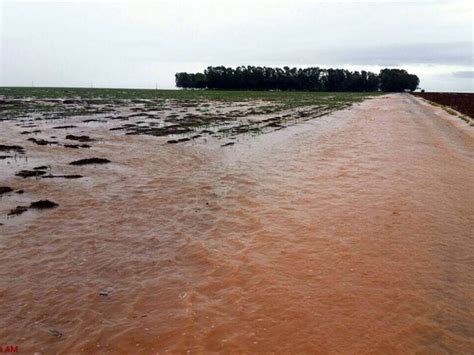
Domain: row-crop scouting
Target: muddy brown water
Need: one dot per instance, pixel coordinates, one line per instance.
(351, 233)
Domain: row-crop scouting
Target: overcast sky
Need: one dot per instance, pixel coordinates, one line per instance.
(142, 44)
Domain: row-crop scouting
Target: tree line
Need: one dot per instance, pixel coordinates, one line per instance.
(304, 79)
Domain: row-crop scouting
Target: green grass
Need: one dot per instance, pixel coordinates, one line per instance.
(288, 98)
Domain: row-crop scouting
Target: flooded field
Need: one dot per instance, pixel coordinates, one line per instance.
(236, 226)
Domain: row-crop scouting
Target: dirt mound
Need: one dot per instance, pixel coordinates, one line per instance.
(41, 141)
(12, 148)
(18, 210)
(77, 146)
(79, 138)
(89, 161)
(43, 204)
(174, 141)
(30, 173)
(5, 190)
(64, 127)
(71, 176)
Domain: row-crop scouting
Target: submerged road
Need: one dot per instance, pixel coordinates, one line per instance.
(352, 233)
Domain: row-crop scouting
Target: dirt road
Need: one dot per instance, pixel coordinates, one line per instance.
(351, 233)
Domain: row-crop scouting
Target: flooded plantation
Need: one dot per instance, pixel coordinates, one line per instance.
(259, 225)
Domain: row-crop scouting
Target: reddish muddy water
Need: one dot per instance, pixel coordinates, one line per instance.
(350, 233)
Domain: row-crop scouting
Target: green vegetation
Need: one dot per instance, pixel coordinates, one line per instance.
(291, 98)
(180, 114)
(54, 103)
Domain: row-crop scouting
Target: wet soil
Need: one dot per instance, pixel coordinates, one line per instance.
(349, 232)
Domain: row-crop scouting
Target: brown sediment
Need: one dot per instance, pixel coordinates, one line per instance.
(347, 234)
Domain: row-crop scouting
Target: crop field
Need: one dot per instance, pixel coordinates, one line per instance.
(147, 94)
(461, 102)
(181, 114)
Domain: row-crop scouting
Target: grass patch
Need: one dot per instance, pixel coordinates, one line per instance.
(289, 98)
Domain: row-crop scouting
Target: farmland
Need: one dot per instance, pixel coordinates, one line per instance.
(182, 114)
(461, 102)
(223, 221)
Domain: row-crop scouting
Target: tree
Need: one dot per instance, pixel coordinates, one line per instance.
(183, 80)
(307, 79)
(397, 80)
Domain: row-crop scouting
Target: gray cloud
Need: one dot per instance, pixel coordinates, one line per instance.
(454, 53)
(137, 44)
(464, 74)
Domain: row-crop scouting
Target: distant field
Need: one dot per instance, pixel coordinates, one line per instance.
(181, 114)
(289, 98)
(461, 102)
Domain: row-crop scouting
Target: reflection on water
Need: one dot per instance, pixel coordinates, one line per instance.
(352, 233)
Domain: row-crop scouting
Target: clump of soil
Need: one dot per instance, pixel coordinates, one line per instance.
(43, 204)
(39, 205)
(71, 101)
(18, 210)
(30, 173)
(89, 161)
(79, 138)
(12, 148)
(174, 141)
(161, 131)
(64, 127)
(77, 146)
(71, 176)
(41, 141)
(31, 132)
(5, 190)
